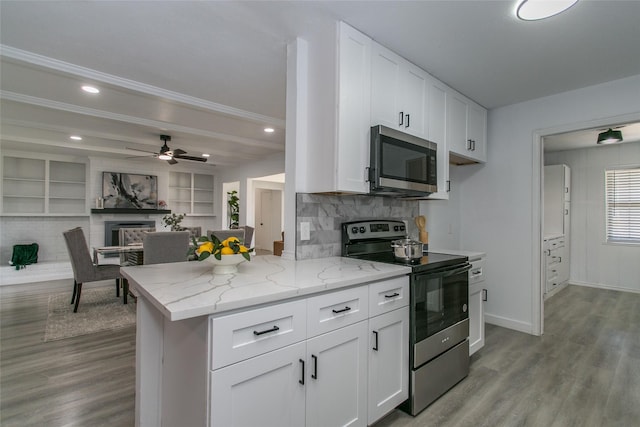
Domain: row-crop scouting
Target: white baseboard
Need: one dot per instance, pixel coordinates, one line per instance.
(505, 322)
(603, 286)
(39, 272)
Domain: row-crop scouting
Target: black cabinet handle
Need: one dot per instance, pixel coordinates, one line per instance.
(485, 295)
(346, 308)
(375, 346)
(275, 328)
(393, 295)
(401, 121)
(315, 367)
(407, 125)
(469, 144)
(301, 381)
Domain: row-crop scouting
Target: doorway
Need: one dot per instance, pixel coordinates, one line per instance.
(268, 217)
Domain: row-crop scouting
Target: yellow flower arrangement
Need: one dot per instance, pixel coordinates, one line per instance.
(206, 246)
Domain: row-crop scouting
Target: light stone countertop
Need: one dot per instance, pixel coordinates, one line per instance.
(472, 255)
(190, 289)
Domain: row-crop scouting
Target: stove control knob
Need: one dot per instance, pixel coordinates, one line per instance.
(362, 229)
(354, 230)
(402, 228)
(396, 228)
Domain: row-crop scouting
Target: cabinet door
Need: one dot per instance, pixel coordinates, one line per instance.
(337, 377)
(477, 130)
(388, 362)
(386, 88)
(476, 318)
(262, 391)
(414, 100)
(437, 117)
(354, 111)
(457, 124)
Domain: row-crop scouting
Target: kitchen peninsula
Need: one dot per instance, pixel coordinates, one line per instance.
(207, 342)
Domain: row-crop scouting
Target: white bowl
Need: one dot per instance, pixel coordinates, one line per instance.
(227, 264)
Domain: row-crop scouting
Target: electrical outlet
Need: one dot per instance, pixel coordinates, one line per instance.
(305, 231)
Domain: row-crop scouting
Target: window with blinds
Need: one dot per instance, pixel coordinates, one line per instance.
(623, 205)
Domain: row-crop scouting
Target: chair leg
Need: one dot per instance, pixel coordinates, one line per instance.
(125, 290)
(117, 288)
(75, 309)
(75, 288)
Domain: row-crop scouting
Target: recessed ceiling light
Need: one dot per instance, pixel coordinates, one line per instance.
(269, 130)
(90, 89)
(206, 155)
(533, 10)
(76, 137)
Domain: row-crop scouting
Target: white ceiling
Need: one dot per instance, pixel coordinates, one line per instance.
(212, 73)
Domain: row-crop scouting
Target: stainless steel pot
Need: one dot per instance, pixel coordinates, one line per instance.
(406, 249)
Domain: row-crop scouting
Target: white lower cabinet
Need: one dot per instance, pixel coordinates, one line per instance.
(337, 378)
(476, 305)
(262, 391)
(388, 362)
(348, 369)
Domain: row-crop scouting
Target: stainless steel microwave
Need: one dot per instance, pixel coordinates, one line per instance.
(401, 164)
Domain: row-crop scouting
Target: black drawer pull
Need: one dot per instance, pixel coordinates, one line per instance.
(375, 346)
(301, 381)
(393, 295)
(347, 308)
(315, 367)
(275, 328)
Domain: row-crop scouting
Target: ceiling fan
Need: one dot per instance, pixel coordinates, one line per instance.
(170, 155)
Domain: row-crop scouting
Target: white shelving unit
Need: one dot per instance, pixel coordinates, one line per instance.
(191, 193)
(36, 187)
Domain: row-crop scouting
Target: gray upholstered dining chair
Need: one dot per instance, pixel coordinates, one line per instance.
(225, 234)
(162, 247)
(128, 236)
(194, 232)
(84, 270)
(248, 235)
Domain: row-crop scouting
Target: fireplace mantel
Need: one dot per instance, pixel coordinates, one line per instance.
(130, 211)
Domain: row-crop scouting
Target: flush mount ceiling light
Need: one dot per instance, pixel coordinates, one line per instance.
(533, 10)
(90, 89)
(610, 136)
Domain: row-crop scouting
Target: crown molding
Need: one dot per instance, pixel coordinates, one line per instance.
(88, 73)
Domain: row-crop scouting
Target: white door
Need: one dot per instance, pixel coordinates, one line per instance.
(268, 221)
(336, 377)
(264, 391)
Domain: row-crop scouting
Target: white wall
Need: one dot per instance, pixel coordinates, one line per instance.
(500, 201)
(593, 261)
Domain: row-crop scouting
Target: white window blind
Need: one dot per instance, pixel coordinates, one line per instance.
(623, 205)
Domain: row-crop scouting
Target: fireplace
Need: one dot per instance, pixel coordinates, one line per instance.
(111, 229)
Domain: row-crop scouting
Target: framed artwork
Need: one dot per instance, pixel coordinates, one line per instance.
(129, 191)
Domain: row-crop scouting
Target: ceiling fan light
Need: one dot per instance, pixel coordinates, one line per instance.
(610, 136)
(533, 10)
(163, 156)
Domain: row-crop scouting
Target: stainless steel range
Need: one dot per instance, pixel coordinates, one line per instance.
(439, 319)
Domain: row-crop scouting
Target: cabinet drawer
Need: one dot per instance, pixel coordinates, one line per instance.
(476, 274)
(388, 295)
(243, 335)
(337, 309)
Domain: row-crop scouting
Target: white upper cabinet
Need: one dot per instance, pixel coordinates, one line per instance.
(437, 125)
(354, 111)
(466, 129)
(399, 92)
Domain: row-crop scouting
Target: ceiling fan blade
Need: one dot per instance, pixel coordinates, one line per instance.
(172, 161)
(193, 158)
(142, 151)
(178, 152)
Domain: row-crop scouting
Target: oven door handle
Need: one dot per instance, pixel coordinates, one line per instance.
(460, 270)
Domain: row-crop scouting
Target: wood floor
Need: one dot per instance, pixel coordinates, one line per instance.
(585, 370)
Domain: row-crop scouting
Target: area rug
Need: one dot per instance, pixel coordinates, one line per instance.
(99, 310)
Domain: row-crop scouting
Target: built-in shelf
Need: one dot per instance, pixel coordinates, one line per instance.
(130, 211)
